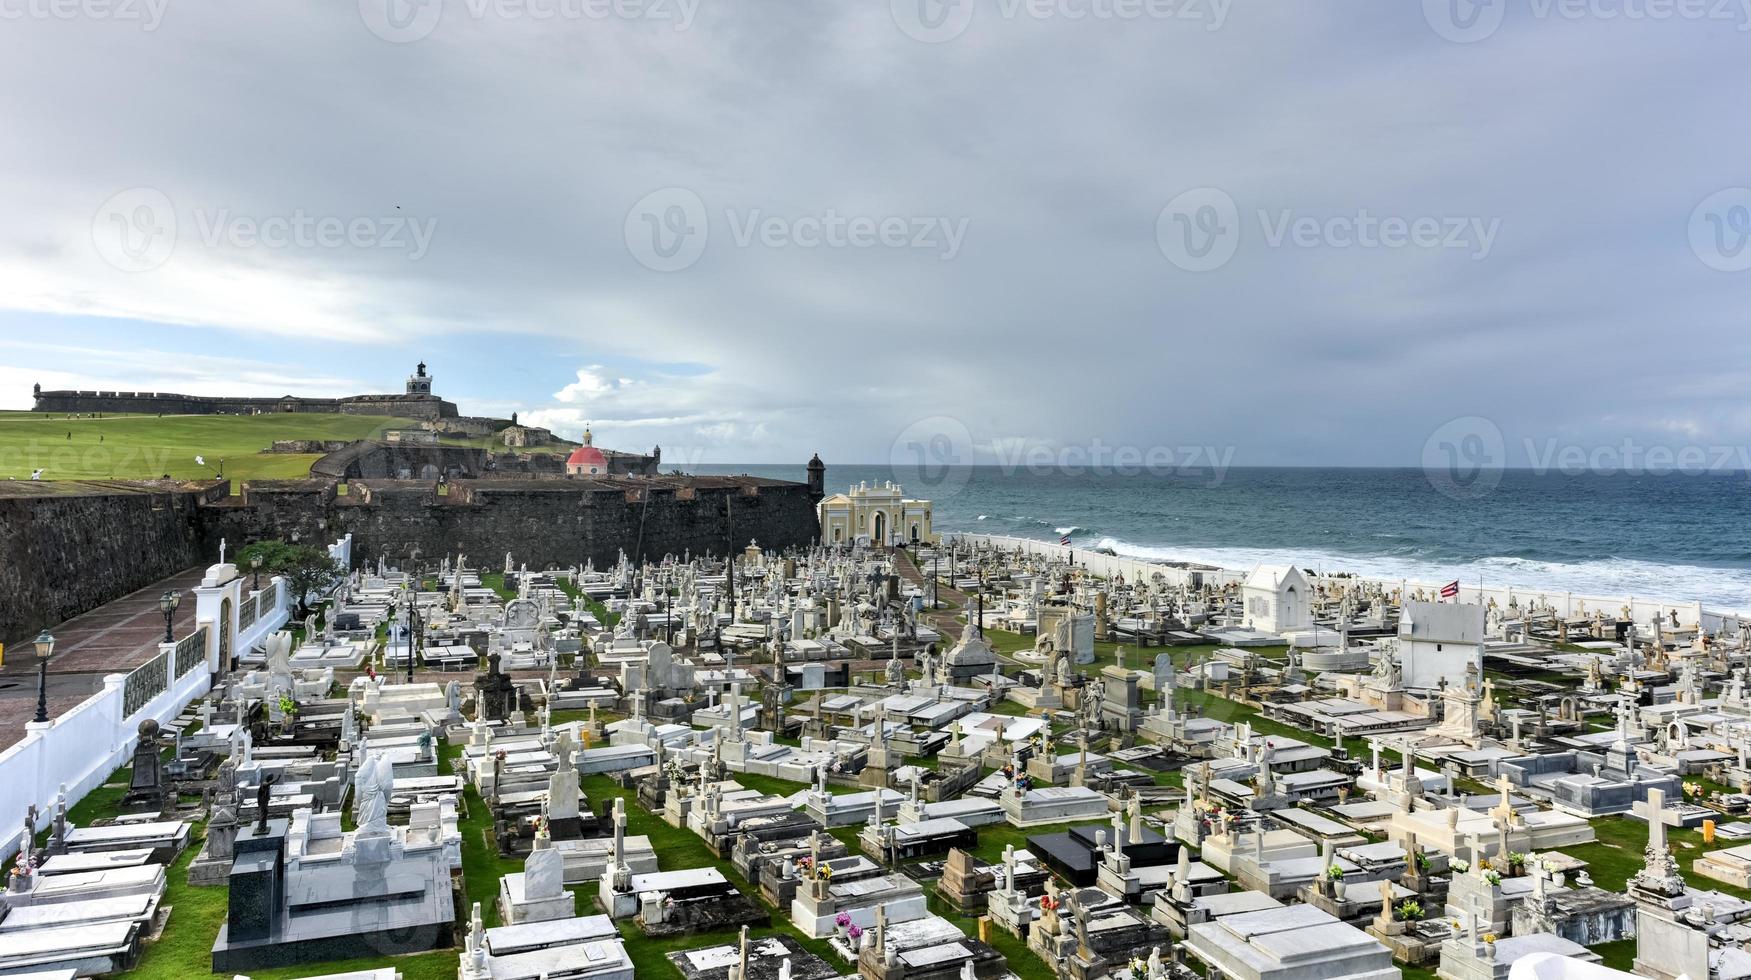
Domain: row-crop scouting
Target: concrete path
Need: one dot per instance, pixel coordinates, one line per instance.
(111, 639)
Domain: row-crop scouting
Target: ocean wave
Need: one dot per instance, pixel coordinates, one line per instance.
(1072, 529)
(1715, 588)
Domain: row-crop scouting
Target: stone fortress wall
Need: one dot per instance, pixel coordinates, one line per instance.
(424, 407)
(66, 548)
(415, 402)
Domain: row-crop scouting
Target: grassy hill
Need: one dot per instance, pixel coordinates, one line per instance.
(143, 447)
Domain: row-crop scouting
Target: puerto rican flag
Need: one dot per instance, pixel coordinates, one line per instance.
(1450, 590)
(1065, 540)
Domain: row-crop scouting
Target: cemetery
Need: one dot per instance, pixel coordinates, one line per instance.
(966, 759)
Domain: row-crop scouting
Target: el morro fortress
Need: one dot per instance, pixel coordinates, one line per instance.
(68, 547)
(416, 402)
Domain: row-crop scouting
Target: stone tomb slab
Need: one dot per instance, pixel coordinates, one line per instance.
(147, 879)
(88, 948)
(602, 959)
(73, 863)
(166, 838)
(128, 908)
(511, 940)
(765, 957)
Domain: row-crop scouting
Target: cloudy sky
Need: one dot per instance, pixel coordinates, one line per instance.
(1318, 231)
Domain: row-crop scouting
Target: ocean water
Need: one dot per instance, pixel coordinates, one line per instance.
(1675, 536)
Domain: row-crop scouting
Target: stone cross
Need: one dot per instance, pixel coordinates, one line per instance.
(740, 970)
(1505, 809)
(221, 551)
(1656, 826)
(1625, 712)
(477, 941)
(619, 832)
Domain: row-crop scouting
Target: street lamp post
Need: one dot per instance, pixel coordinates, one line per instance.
(167, 604)
(255, 565)
(45, 645)
(414, 629)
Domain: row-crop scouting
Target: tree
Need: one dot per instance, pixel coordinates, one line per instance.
(307, 569)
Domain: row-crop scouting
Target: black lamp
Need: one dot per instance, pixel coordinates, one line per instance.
(167, 604)
(45, 645)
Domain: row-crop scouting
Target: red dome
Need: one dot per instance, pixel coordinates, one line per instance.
(586, 458)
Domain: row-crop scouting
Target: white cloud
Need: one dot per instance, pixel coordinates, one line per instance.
(529, 142)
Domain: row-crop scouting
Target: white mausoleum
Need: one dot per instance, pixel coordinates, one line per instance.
(1277, 598)
(1439, 640)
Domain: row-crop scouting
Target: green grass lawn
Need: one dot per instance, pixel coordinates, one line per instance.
(684, 849)
(146, 447)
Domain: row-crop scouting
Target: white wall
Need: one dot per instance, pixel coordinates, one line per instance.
(81, 747)
(1643, 608)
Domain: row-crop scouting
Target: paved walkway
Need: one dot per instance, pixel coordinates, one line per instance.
(111, 639)
(944, 621)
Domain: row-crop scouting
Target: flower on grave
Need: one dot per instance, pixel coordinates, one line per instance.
(1048, 903)
(1335, 873)
(1459, 867)
(843, 919)
(1410, 910)
(855, 932)
(1493, 877)
(1489, 937)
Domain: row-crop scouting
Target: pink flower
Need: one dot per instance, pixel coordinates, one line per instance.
(843, 918)
(855, 932)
